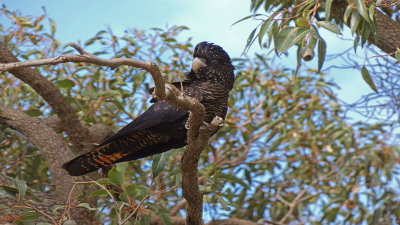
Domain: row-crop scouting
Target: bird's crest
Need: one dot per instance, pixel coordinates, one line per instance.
(219, 65)
(210, 51)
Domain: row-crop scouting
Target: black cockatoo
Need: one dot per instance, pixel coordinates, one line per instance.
(162, 126)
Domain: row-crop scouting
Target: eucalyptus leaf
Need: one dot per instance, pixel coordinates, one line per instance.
(367, 77)
(159, 162)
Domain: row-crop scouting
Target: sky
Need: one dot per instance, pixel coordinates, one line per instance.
(208, 20)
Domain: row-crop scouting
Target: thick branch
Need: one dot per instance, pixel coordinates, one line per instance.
(74, 129)
(190, 161)
(389, 30)
(53, 149)
(197, 134)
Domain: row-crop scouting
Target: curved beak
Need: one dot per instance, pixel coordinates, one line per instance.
(197, 64)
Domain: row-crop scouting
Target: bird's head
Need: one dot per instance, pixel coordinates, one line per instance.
(212, 63)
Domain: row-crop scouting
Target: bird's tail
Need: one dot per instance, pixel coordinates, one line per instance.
(98, 158)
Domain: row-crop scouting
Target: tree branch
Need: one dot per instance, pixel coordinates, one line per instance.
(190, 178)
(53, 149)
(197, 134)
(51, 94)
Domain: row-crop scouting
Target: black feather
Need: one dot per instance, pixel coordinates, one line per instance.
(162, 126)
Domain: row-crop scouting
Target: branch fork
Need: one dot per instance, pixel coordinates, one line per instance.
(198, 132)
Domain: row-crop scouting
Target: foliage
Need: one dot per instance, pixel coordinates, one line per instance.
(308, 24)
(298, 23)
(286, 152)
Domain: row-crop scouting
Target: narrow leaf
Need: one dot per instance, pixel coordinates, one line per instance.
(329, 26)
(272, 32)
(30, 215)
(98, 193)
(328, 5)
(371, 12)
(367, 77)
(86, 205)
(21, 186)
(223, 203)
(314, 32)
(249, 40)
(263, 30)
(165, 217)
(159, 162)
(53, 26)
(233, 179)
(8, 191)
(361, 9)
(288, 37)
(347, 14)
(321, 53)
(245, 18)
(355, 20)
(55, 208)
(356, 41)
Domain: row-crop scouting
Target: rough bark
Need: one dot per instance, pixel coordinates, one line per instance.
(53, 149)
(197, 138)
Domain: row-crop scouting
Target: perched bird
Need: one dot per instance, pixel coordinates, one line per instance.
(162, 126)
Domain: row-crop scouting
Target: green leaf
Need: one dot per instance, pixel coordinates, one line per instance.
(397, 55)
(7, 191)
(115, 177)
(66, 83)
(361, 9)
(312, 41)
(365, 32)
(223, 203)
(328, 5)
(355, 20)
(121, 167)
(234, 179)
(245, 18)
(371, 12)
(145, 220)
(91, 41)
(165, 217)
(53, 26)
(111, 107)
(321, 53)
(263, 30)
(288, 36)
(314, 32)
(169, 40)
(301, 22)
(86, 205)
(347, 14)
(159, 162)
(21, 186)
(356, 41)
(55, 208)
(130, 40)
(33, 112)
(250, 39)
(329, 26)
(367, 77)
(98, 193)
(30, 215)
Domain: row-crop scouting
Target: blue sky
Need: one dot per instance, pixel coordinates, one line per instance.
(208, 20)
